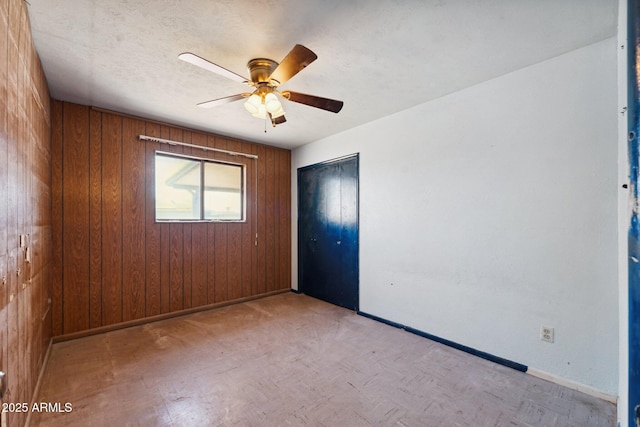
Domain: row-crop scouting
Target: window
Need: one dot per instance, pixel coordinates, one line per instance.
(196, 189)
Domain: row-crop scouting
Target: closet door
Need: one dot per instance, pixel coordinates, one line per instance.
(328, 231)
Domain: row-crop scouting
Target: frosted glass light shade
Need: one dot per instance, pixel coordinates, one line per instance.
(272, 103)
(278, 113)
(261, 112)
(253, 104)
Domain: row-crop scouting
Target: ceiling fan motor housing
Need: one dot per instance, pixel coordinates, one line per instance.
(260, 69)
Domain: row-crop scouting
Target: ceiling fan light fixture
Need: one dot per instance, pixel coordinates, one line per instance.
(272, 103)
(253, 104)
(261, 112)
(277, 113)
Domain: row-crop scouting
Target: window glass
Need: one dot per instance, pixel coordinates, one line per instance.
(194, 189)
(222, 191)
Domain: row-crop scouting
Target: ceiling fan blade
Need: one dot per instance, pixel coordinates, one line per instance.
(225, 100)
(296, 60)
(277, 120)
(210, 66)
(314, 101)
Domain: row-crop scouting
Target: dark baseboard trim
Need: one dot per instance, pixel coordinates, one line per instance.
(296, 291)
(487, 356)
(381, 320)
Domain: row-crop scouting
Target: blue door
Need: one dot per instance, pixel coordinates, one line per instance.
(328, 231)
(633, 29)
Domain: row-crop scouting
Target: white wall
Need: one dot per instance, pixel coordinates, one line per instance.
(492, 211)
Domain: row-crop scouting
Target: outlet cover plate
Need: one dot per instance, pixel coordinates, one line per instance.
(546, 333)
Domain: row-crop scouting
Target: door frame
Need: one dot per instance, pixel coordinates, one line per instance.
(357, 225)
(633, 231)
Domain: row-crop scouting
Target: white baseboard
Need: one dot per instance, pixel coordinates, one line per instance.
(592, 391)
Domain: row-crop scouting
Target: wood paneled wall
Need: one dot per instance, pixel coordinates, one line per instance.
(113, 263)
(25, 208)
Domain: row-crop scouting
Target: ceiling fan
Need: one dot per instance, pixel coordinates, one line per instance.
(266, 76)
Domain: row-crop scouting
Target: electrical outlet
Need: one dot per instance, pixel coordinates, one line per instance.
(546, 333)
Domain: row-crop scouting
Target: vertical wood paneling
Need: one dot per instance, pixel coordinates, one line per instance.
(284, 216)
(75, 196)
(235, 262)
(22, 157)
(56, 215)
(12, 200)
(270, 219)
(276, 221)
(4, 178)
(26, 209)
(261, 284)
(176, 254)
(140, 268)
(253, 217)
(152, 230)
(95, 220)
(111, 219)
(133, 221)
(13, 230)
(14, 341)
(4, 31)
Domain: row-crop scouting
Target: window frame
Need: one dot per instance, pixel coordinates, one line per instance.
(203, 161)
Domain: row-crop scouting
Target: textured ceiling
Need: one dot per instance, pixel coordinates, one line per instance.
(379, 57)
